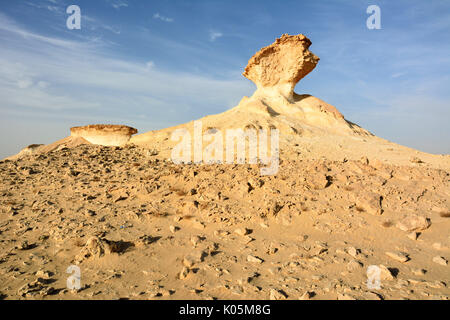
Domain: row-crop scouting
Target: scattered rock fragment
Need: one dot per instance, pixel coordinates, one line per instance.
(277, 295)
(242, 231)
(193, 258)
(386, 273)
(415, 160)
(44, 274)
(183, 273)
(98, 247)
(353, 251)
(413, 235)
(413, 222)
(419, 272)
(24, 245)
(371, 203)
(354, 265)
(254, 259)
(440, 260)
(307, 295)
(398, 256)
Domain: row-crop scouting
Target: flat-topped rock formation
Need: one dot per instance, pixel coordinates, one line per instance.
(100, 134)
(104, 134)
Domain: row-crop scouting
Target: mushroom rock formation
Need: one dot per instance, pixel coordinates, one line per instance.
(104, 134)
(277, 68)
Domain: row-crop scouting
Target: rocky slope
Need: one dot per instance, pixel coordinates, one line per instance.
(144, 228)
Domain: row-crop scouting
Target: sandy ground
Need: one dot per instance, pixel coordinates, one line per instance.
(140, 227)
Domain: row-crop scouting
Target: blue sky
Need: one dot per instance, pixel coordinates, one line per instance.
(153, 64)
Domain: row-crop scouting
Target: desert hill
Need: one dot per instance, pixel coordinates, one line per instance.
(309, 128)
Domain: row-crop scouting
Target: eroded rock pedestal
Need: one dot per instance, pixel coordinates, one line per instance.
(277, 68)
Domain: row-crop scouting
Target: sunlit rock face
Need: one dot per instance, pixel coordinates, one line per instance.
(105, 135)
(277, 68)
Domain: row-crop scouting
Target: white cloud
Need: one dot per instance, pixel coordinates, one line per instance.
(83, 78)
(52, 8)
(213, 35)
(119, 4)
(398, 74)
(162, 18)
(24, 84)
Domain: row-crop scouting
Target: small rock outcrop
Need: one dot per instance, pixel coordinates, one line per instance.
(104, 134)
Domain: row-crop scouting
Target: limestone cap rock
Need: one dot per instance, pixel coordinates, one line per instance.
(104, 134)
(278, 67)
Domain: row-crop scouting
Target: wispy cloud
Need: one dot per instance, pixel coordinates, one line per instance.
(158, 16)
(117, 4)
(213, 35)
(10, 26)
(49, 7)
(95, 24)
(75, 76)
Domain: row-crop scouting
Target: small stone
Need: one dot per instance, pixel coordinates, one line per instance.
(221, 233)
(90, 213)
(419, 272)
(153, 293)
(399, 256)
(254, 259)
(413, 235)
(188, 262)
(173, 229)
(184, 273)
(354, 265)
(43, 274)
(413, 222)
(193, 258)
(385, 273)
(307, 295)
(247, 239)
(24, 245)
(195, 240)
(415, 160)
(242, 231)
(352, 251)
(166, 293)
(277, 295)
(440, 260)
